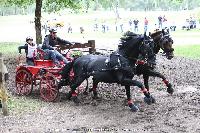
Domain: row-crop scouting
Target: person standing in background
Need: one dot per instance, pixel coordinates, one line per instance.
(160, 20)
(146, 23)
(136, 21)
(164, 20)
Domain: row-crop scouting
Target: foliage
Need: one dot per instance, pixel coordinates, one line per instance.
(86, 5)
(56, 5)
(146, 4)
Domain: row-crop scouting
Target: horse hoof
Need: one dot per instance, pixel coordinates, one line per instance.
(85, 93)
(134, 108)
(153, 100)
(170, 90)
(94, 103)
(68, 96)
(97, 98)
(75, 100)
(149, 100)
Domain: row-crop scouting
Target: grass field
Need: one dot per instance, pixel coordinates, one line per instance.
(189, 51)
(9, 48)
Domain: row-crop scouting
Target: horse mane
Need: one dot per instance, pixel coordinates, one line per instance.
(127, 36)
(156, 33)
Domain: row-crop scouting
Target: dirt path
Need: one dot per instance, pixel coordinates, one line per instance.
(178, 113)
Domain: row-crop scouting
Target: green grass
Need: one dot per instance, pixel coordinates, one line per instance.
(189, 51)
(9, 48)
(194, 33)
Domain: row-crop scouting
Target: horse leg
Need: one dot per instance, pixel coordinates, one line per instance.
(146, 84)
(153, 73)
(94, 89)
(146, 81)
(73, 94)
(86, 88)
(130, 102)
(130, 82)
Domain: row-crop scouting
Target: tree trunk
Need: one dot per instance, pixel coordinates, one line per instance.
(38, 21)
(115, 7)
(96, 5)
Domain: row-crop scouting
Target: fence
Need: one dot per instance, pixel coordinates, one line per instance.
(90, 46)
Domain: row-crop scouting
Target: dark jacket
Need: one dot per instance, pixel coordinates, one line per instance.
(25, 47)
(49, 43)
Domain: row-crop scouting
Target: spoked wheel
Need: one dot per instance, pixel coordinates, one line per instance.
(49, 87)
(23, 81)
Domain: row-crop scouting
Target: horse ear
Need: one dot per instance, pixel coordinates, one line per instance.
(149, 33)
(167, 30)
(163, 31)
(145, 34)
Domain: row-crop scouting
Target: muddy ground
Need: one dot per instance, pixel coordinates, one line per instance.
(177, 113)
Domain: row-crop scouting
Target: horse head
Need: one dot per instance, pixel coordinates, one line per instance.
(135, 46)
(163, 41)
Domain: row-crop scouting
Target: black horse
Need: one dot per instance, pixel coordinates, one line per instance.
(119, 67)
(162, 40)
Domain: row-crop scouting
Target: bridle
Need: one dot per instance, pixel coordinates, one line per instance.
(160, 42)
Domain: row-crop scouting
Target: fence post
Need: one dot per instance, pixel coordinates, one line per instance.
(3, 93)
(92, 45)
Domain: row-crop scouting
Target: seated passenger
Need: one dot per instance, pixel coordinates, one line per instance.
(30, 50)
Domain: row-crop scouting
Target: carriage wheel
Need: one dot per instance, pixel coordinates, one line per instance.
(23, 81)
(48, 87)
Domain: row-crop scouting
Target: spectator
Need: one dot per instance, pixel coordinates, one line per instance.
(136, 21)
(146, 23)
(95, 25)
(160, 20)
(130, 23)
(69, 30)
(81, 30)
(164, 20)
(104, 26)
(116, 25)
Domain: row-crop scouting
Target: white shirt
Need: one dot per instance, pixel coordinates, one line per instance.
(32, 50)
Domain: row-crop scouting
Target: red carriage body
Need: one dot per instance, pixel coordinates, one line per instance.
(44, 73)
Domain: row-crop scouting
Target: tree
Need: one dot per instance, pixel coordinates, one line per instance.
(38, 16)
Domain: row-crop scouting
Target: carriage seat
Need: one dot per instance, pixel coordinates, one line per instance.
(47, 63)
(41, 54)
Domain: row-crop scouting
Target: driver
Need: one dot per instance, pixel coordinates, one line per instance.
(50, 41)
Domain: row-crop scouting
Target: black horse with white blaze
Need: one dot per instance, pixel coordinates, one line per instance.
(119, 67)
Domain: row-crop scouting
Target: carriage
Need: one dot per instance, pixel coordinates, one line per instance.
(45, 73)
